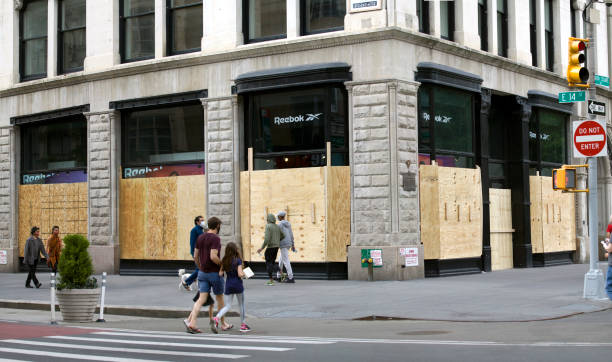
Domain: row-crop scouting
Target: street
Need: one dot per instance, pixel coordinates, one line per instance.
(582, 337)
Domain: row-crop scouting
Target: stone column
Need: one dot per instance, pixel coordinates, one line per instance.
(466, 32)
(384, 215)
(482, 158)
(222, 25)
(102, 44)
(52, 26)
(160, 28)
(102, 174)
(403, 14)
(221, 149)
(8, 209)
(9, 43)
(518, 31)
(492, 24)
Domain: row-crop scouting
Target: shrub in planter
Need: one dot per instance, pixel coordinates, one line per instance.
(75, 268)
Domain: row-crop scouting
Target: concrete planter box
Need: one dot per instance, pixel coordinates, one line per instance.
(78, 305)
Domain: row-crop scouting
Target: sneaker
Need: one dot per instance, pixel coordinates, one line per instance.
(290, 281)
(38, 285)
(244, 328)
(270, 282)
(214, 325)
(283, 277)
(183, 285)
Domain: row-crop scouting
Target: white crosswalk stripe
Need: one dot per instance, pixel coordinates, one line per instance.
(227, 338)
(68, 355)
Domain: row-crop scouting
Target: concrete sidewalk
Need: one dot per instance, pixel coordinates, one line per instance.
(509, 295)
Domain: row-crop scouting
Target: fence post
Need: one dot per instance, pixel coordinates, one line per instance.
(102, 295)
(53, 321)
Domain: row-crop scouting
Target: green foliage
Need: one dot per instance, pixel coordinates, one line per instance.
(75, 266)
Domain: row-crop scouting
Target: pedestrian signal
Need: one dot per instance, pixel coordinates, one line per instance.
(564, 178)
(577, 74)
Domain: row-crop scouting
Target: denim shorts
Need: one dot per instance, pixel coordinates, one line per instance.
(210, 280)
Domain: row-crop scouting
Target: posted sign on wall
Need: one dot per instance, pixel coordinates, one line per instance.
(364, 5)
(589, 138)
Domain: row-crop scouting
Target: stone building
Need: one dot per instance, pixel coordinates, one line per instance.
(103, 102)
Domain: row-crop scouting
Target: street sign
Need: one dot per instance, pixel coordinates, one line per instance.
(602, 80)
(596, 108)
(569, 97)
(590, 138)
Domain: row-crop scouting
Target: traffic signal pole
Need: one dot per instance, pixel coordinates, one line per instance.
(593, 279)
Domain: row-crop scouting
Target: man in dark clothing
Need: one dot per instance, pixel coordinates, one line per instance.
(31, 255)
(207, 255)
(197, 230)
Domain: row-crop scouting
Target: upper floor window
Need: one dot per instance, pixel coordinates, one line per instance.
(33, 40)
(533, 40)
(137, 30)
(548, 35)
(447, 19)
(423, 15)
(547, 140)
(482, 25)
(264, 19)
(71, 36)
(185, 27)
(319, 16)
(502, 28)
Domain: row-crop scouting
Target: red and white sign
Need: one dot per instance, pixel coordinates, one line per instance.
(590, 139)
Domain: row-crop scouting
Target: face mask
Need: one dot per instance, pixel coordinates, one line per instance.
(203, 224)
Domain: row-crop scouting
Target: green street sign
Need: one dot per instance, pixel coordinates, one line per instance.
(602, 80)
(569, 97)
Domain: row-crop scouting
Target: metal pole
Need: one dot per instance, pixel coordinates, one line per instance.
(102, 295)
(593, 279)
(53, 320)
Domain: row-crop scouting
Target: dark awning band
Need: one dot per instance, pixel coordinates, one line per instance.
(550, 101)
(167, 99)
(51, 115)
(303, 75)
(428, 72)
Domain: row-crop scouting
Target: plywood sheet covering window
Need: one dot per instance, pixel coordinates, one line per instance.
(308, 195)
(157, 216)
(45, 206)
(553, 226)
(451, 212)
(501, 229)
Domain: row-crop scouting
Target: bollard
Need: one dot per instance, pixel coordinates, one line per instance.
(53, 321)
(370, 263)
(101, 319)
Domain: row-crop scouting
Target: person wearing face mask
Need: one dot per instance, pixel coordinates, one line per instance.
(198, 229)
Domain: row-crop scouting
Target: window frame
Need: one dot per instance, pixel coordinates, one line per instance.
(451, 20)
(170, 26)
(502, 49)
(533, 34)
(549, 42)
(422, 7)
(538, 164)
(125, 136)
(431, 148)
(246, 23)
(483, 26)
(303, 31)
(60, 42)
(23, 41)
(122, 35)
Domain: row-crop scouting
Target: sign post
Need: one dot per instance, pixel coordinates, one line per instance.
(590, 141)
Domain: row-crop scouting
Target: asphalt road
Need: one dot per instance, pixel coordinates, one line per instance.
(580, 338)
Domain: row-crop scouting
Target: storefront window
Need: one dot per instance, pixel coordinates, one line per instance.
(137, 29)
(163, 136)
(54, 146)
(33, 45)
(547, 139)
(265, 19)
(446, 123)
(290, 128)
(322, 15)
(71, 35)
(185, 26)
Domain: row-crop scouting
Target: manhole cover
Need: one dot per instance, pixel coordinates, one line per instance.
(422, 333)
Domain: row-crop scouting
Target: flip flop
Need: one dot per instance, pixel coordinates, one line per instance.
(186, 323)
(193, 330)
(228, 328)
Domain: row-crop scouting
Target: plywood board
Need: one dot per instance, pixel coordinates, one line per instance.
(500, 208)
(190, 202)
(301, 190)
(430, 212)
(558, 222)
(45, 206)
(161, 222)
(339, 212)
(501, 251)
(132, 218)
(535, 211)
(245, 214)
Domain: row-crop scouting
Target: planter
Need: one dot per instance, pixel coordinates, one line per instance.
(78, 305)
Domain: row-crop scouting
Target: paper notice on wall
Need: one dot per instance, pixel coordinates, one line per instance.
(376, 253)
(403, 251)
(411, 256)
(3, 257)
(377, 261)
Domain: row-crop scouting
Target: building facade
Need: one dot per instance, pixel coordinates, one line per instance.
(124, 119)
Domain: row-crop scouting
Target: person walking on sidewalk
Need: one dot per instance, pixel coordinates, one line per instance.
(31, 255)
(272, 238)
(608, 247)
(207, 256)
(196, 231)
(285, 244)
(54, 249)
(231, 265)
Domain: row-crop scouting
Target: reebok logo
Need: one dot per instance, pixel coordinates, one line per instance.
(291, 119)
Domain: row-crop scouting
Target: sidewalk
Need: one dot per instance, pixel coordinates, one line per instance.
(509, 295)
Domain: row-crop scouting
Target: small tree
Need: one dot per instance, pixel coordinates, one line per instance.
(75, 266)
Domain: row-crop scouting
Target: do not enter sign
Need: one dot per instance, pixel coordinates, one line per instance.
(590, 139)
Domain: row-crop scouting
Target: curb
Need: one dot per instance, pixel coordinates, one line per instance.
(134, 311)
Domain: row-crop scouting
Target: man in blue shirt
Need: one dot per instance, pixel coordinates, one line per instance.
(198, 229)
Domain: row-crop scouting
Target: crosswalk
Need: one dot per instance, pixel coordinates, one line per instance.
(128, 345)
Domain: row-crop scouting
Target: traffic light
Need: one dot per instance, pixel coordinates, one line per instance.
(564, 178)
(577, 75)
